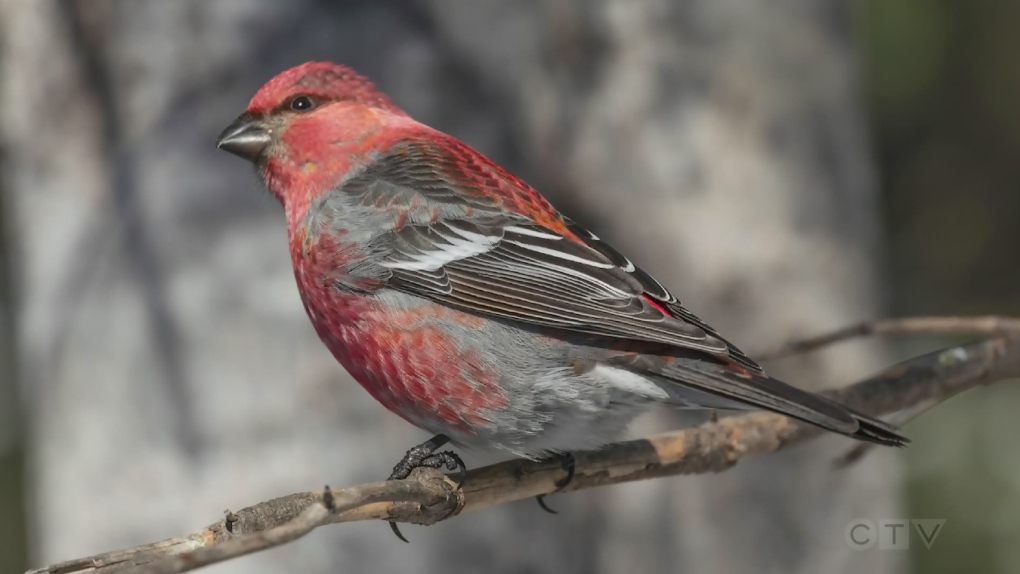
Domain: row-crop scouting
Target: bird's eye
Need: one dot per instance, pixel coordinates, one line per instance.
(301, 104)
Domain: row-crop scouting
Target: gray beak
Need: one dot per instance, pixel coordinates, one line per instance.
(246, 138)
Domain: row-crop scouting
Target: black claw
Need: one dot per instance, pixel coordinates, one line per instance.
(425, 455)
(396, 531)
(568, 464)
(540, 499)
(454, 462)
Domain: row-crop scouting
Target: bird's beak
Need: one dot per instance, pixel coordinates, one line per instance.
(248, 137)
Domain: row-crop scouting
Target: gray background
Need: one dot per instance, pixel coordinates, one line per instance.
(167, 370)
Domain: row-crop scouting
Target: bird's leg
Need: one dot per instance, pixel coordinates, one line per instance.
(567, 463)
(425, 456)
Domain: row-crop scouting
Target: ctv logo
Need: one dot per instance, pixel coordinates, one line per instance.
(892, 533)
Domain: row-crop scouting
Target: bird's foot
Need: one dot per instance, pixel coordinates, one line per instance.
(567, 463)
(425, 456)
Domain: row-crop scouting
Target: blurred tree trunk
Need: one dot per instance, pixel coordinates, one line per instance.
(12, 471)
(172, 372)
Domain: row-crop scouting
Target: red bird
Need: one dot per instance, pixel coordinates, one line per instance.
(460, 299)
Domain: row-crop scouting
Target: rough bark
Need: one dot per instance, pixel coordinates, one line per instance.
(168, 362)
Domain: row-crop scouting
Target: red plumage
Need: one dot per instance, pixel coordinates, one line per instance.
(462, 300)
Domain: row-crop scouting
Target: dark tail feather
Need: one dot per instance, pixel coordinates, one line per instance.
(738, 389)
(878, 431)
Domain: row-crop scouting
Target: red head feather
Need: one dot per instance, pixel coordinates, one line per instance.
(323, 80)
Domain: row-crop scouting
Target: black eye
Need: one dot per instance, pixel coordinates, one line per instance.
(302, 104)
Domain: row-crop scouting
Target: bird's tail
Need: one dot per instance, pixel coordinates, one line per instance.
(711, 385)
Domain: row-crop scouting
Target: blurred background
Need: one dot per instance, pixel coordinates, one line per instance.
(786, 167)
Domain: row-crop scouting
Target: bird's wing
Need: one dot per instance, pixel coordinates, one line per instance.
(463, 232)
(470, 235)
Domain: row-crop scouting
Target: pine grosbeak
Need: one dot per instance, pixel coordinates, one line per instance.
(462, 301)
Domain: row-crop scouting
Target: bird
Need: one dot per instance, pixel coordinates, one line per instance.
(465, 303)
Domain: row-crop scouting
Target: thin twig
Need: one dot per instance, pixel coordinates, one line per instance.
(990, 325)
(428, 496)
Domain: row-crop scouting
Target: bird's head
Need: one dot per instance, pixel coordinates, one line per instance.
(299, 125)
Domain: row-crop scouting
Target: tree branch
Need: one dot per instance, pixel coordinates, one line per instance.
(990, 325)
(428, 496)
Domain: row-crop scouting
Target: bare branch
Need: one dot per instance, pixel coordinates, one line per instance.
(990, 325)
(429, 496)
